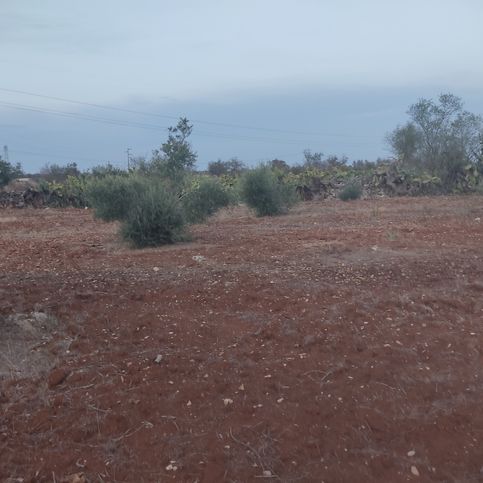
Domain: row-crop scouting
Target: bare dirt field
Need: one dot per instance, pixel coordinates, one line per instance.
(340, 343)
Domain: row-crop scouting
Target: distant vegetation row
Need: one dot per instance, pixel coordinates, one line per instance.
(440, 150)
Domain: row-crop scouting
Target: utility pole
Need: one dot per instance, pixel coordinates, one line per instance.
(5, 153)
(128, 152)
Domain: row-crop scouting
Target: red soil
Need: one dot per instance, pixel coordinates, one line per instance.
(320, 346)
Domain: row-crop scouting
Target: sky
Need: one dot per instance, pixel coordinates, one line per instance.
(260, 79)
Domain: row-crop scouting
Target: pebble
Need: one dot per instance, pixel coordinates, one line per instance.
(414, 471)
(309, 340)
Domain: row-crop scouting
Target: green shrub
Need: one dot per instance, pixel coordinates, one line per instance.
(267, 195)
(75, 191)
(155, 218)
(9, 172)
(112, 196)
(204, 199)
(352, 191)
(70, 192)
(108, 169)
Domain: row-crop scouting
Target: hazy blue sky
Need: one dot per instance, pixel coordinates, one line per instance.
(325, 75)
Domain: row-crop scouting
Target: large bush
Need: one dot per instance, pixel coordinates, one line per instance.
(112, 196)
(203, 199)
(265, 193)
(155, 218)
(150, 212)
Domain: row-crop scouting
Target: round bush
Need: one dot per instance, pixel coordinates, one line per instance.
(112, 196)
(154, 219)
(262, 191)
(351, 191)
(204, 199)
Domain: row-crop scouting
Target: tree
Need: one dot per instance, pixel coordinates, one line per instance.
(232, 167)
(279, 164)
(140, 165)
(441, 137)
(363, 165)
(334, 162)
(9, 172)
(176, 155)
(108, 169)
(56, 172)
(313, 160)
(405, 142)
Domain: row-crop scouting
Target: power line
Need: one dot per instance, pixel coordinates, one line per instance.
(73, 115)
(56, 156)
(116, 122)
(154, 127)
(164, 116)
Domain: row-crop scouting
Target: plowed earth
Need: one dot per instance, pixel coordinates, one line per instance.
(340, 343)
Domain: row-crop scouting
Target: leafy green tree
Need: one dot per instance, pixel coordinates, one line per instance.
(334, 162)
(108, 169)
(232, 167)
(176, 156)
(280, 165)
(363, 165)
(405, 142)
(140, 165)
(313, 160)
(58, 173)
(441, 138)
(9, 172)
